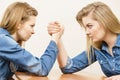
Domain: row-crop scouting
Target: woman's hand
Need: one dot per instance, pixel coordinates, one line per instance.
(55, 29)
(116, 77)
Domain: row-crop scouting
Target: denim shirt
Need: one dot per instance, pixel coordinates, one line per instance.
(110, 64)
(11, 51)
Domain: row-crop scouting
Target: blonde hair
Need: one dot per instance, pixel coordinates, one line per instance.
(104, 15)
(18, 12)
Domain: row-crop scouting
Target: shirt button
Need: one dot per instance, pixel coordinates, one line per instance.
(113, 61)
(113, 69)
(101, 61)
(113, 51)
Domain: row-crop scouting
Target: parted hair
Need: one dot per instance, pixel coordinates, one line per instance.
(104, 15)
(17, 12)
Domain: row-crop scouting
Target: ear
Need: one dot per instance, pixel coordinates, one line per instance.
(19, 26)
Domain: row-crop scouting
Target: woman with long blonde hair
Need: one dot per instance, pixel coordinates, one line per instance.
(16, 27)
(103, 41)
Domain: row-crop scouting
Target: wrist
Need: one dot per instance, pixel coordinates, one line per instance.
(55, 39)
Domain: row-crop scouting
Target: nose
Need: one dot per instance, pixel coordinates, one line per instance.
(33, 32)
(87, 31)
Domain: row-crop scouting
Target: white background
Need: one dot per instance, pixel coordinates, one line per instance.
(65, 12)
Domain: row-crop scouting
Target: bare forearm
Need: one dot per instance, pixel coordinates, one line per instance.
(62, 56)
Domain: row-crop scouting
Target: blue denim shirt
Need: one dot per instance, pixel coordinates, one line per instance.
(110, 64)
(11, 51)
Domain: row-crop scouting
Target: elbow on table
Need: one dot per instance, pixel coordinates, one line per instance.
(43, 74)
(66, 71)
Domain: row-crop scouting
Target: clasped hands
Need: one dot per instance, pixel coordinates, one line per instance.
(55, 29)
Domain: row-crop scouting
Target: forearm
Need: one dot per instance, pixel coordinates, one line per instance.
(56, 30)
(62, 55)
(115, 77)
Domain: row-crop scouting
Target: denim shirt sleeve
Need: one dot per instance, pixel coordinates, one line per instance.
(76, 64)
(11, 51)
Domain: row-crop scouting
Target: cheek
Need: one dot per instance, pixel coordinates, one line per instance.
(94, 31)
(25, 30)
(99, 34)
(23, 33)
(97, 30)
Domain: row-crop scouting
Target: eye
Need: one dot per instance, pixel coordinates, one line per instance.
(32, 25)
(89, 26)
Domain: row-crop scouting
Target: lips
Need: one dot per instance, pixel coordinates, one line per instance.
(90, 36)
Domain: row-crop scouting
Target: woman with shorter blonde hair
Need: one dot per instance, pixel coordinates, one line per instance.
(103, 42)
(16, 27)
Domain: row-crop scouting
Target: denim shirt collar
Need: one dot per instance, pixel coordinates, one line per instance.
(117, 43)
(5, 32)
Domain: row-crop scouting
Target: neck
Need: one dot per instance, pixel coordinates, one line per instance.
(110, 39)
(15, 37)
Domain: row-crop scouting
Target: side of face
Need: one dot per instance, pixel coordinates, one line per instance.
(93, 29)
(26, 29)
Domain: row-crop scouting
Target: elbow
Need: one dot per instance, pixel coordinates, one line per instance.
(65, 71)
(43, 74)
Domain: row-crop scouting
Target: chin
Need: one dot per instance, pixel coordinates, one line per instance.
(25, 39)
(95, 40)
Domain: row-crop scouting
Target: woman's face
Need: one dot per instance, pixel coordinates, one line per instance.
(93, 29)
(26, 30)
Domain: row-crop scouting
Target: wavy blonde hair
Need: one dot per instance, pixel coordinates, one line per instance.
(17, 12)
(104, 15)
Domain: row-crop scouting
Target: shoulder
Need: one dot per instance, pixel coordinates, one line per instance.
(7, 40)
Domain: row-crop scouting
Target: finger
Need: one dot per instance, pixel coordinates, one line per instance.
(50, 28)
(54, 23)
(53, 28)
(53, 31)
